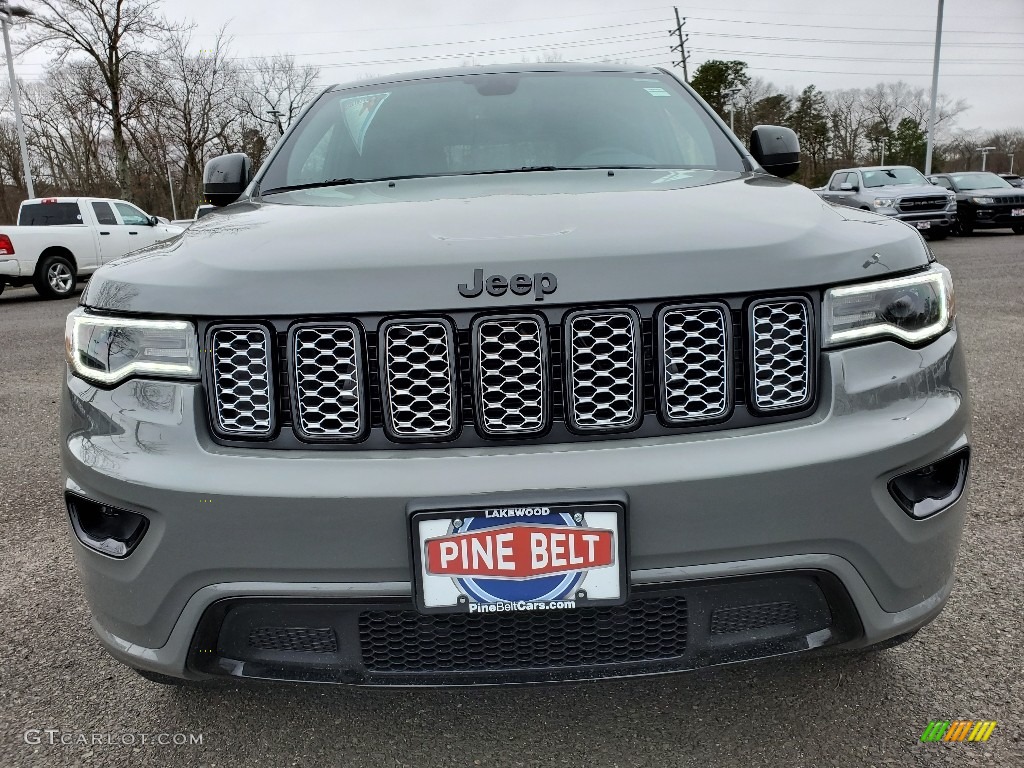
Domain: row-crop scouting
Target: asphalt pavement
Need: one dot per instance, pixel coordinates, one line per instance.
(63, 701)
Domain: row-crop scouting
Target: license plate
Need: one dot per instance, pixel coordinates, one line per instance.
(1017, 212)
(924, 225)
(507, 559)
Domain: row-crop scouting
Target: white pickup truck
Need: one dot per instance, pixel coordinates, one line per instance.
(60, 238)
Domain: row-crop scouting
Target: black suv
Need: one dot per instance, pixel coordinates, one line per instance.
(984, 201)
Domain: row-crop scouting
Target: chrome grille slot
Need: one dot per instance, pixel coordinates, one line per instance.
(418, 378)
(328, 381)
(242, 380)
(694, 347)
(603, 369)
(510, 378)
(781, 354)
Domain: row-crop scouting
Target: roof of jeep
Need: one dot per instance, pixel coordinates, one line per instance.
(493, 69)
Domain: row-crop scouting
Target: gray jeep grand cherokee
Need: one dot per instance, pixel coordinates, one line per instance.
(516, 374)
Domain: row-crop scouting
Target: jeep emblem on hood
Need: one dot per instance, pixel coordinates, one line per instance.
(542, 284)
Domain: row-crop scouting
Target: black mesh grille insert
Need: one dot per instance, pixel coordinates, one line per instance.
(406, 641)
(302, 639)
(747, 617)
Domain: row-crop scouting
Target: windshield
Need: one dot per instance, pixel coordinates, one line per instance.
(493, 123)
(894, 177)
(969, 181)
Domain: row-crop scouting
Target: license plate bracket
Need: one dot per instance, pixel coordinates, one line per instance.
(512, 559)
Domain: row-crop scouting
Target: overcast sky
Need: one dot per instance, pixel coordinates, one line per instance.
(849, 44)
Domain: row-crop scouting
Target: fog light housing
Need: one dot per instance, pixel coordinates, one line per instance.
(930, 489)
(100, 527)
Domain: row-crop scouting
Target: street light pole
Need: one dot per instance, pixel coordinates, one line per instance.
(170, 185)
(984, 154)
(935, 92)
(7, 13)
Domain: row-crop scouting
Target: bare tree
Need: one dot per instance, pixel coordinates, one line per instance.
(274, 92)
(193, 113)
(114, 35)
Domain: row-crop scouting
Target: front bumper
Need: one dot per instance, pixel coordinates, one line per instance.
(804, 495)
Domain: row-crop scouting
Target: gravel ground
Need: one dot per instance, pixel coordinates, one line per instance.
(843, 711)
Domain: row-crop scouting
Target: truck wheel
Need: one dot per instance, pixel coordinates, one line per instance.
(56, 278)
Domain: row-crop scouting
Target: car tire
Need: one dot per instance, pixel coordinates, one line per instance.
(964, 229)
(56, 277)
(2, 286)
(1018, 229)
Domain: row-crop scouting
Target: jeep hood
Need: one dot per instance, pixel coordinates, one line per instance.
(407, 245)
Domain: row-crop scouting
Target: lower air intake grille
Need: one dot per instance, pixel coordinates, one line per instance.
(294, 639)
(243, 392)
(781, 354)
(643, 630)
(748, 617)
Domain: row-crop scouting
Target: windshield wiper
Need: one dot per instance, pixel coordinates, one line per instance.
(315, 185)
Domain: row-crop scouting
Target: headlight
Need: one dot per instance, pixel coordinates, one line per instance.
(109, 350)
(983, 200)
(885, 202)
(912, 309)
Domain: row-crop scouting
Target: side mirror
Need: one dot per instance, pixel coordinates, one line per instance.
(226, 177)
(154, 221)
(777, 149)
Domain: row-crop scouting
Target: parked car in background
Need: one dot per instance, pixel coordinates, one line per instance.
(1013, 179)
(901, 192)
(984, 201)
(59, 239)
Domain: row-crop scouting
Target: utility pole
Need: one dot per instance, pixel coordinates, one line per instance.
(7, 14)
(1011, 161)
(731, 94)
(170, 186)
(681, 47)
(935, 91)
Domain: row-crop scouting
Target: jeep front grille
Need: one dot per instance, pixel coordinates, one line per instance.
(533, 375)
(781, 354)
(242, 380)
(510, 377)
(604, 378)
(695, 362)
(328, 388)
(418, 379)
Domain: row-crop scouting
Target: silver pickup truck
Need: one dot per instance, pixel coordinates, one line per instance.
(898, 191)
